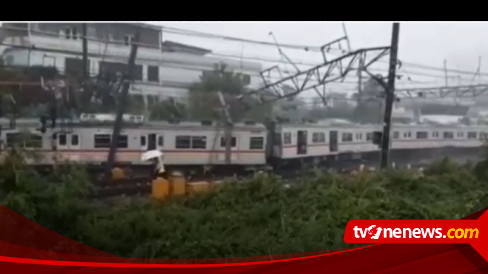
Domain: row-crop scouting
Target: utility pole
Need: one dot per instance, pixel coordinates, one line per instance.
(85, 52)
(390, 95)
(228, 128)
(127, 79)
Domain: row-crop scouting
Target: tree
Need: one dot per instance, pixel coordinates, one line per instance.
(167, 110)
(204, 102)
(370, 104)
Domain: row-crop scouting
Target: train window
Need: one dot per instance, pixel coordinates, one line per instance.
(286, 138)
(12, 139)
(359, 136)
(33, 141)
(346, 137)
(448, 135)
(233, 142)
(153, 73)
(199, 142)
(396, 134)
(460, 134)
(75, 140)
(62, 139)
(160, 141)
(183, 141)
(369, 136)
(256, 143)
(435, 134)
(318, 137)
(123, 141)
(26, 140)
(472, 135)
(422, 134)
(143, 141)
(102, 140)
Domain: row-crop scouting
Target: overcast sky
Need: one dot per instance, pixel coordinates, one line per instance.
(420, 42)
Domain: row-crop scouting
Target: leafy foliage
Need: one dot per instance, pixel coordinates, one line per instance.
(263, 216)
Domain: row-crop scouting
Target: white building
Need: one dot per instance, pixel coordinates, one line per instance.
(163, 69)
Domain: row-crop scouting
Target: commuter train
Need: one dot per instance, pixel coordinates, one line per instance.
(198, 146)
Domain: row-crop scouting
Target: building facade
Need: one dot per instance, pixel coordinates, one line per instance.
(163, 69)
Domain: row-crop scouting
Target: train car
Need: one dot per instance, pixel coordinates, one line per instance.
(187, 146)
(298, 144)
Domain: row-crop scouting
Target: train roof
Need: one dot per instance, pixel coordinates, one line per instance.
(146, 124)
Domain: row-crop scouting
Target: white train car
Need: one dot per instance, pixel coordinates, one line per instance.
(437, 136)
(183, 144)
(302, 142)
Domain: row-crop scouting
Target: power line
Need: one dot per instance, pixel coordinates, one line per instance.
(292, 46)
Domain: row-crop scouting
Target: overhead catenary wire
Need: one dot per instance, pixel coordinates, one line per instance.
(311, 48)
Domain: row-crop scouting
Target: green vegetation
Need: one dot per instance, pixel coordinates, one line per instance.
(261, 217)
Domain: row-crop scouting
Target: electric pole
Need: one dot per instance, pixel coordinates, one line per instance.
(85, 52)
(390, 95)
(228, 128)
(126, 81)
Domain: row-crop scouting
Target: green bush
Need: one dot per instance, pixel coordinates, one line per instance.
(261, 217)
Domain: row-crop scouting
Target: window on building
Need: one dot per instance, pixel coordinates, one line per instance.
(143, 141)
(369, 136)
(62, 139)
(359, 136)
(128, 39)
(75, 140)
(407, 134)
(448, 135)
(199, 142)
(233, 142)
(346, 137)
(183, 141)
(435, 134)
(102, 140)
(246, 79)
(74, 66)
(153, 73)
(422, 135)
(71, 33)
(287, 138)
(138, 73)
(472, 135)
(256, 143)
(460, 134)
(111, 69)
(318, 137)
(396, 134)
(160, 141)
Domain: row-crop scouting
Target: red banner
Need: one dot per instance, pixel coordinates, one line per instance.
(28, 247)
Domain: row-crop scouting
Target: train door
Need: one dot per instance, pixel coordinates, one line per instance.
(151, 141)
(333, 141)
(48, 61)
(68, 141)
(302, 142)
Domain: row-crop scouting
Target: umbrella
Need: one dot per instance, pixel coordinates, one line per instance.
(151, 154)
